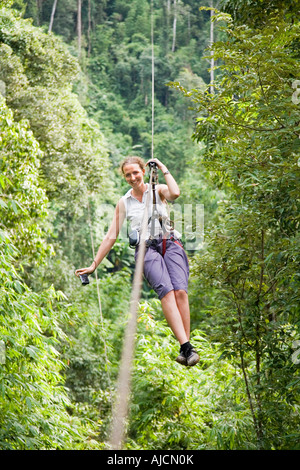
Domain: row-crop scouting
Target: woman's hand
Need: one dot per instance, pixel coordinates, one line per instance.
(169, 191)
(160, 165)
(88, 270)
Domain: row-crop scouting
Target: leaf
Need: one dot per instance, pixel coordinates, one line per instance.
(3, 203)
(32, 351)
(14, 206)
(28, 402)
(18, 287)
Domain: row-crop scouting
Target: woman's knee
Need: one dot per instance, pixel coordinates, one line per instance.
(180, 294)
(167, 295)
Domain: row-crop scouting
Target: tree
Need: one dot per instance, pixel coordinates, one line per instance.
(79, 27)
(174, 27)
(23, 202)
(257, 14)
(52, 16)
(33, 401)
(251, 131)
(39, 73)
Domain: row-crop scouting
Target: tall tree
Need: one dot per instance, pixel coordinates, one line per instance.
(251, 130)
(79, 27)
(174, 25)
(52, 16)
(89, 30)
(212, 61)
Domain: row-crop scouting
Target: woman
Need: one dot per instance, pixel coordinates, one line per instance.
(165, 263)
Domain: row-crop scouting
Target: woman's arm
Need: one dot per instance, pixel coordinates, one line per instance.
(109, 239)
(169, 191)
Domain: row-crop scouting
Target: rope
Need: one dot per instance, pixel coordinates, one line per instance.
(120, 410)
(152, 51)
(99, 303)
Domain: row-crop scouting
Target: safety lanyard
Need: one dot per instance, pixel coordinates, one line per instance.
(155, 214)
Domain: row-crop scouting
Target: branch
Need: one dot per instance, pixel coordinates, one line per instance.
(258, 129)
(266, 100)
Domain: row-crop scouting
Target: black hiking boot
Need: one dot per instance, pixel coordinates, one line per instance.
(192, 357)
(188, 355)
(181, 359)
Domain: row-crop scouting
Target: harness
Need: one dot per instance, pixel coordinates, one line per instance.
(152, 241)
(165, 224)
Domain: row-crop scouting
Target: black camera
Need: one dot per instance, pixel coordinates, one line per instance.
(84, 279)
(134, 238)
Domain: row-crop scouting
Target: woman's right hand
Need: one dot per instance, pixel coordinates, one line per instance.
(88, 270)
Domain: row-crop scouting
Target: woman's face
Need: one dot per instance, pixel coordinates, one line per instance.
(133, 174)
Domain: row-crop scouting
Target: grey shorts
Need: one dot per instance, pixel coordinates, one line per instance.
(168, 272)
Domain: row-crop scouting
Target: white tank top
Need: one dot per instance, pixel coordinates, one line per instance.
(135, 211)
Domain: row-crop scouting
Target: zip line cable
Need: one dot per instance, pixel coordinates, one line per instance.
(121, 405)
(152, 68)
(120, 410)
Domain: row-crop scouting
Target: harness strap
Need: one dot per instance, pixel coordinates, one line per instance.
(155, 214)
(164, 245)
(154, 210)
(176, 241)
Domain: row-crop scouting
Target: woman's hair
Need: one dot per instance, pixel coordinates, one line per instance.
(132, 159)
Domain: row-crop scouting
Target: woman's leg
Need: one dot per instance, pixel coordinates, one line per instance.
(174, 317)
(182, 301)
(157, 275)
(178, 268)
(188, 356)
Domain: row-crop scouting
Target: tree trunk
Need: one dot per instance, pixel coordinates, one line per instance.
(189, 25)
(39, 7)
(79, 27)
(52, 16)
(212, 60)
(258, 347)
(89, 28)
(174, 27)
(168, 14)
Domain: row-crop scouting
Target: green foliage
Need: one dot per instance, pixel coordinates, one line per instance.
(38, 72)
(117, 61)
(23, 204)
(33, 400)
(174, 407)
(93, 359)
(59, 359)
(250, 127)
(257, 14)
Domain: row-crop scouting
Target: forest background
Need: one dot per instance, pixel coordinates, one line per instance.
(75, 80)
